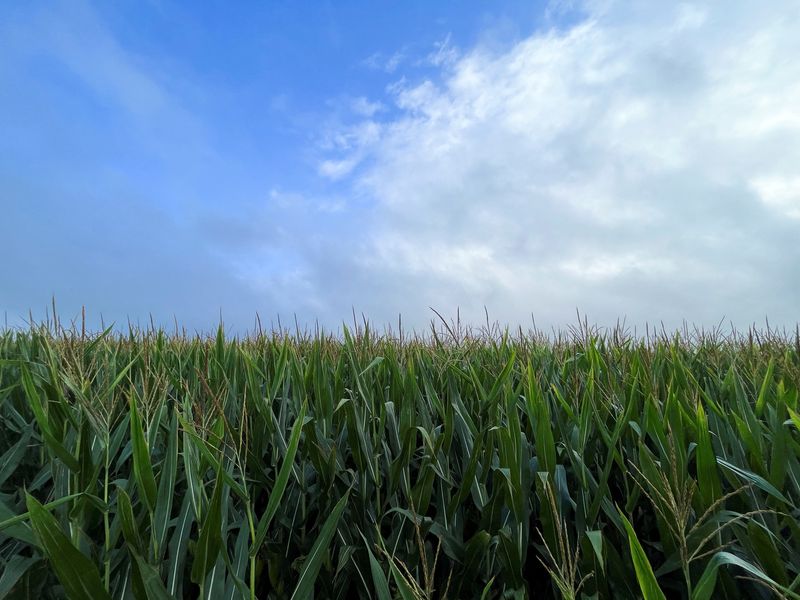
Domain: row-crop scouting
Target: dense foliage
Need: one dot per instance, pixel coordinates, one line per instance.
(490, 466)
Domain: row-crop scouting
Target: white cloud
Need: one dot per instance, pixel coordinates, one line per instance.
(351, 144)
(617, 166)
(444, 54)
(362, 107)
(386, 63)
(336, 169)
(780, 193)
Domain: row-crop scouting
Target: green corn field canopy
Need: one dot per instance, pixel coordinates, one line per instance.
(361, 465)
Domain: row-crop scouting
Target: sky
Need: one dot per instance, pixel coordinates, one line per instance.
(179, 161)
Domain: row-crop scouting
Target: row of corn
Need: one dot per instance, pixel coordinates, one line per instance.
(148, 465)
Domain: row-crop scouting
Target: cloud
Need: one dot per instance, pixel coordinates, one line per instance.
(631, 160)
(780, 193)
(444, 54)
(639, 163)
(361, 106)
(383, 62)
(352, 143)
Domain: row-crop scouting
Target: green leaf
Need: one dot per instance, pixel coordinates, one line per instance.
(795, 418)
(151, 581)
(166, 487)
(13, 571)
(756, 480)
(15, 524)
(210, 542)
(207, 449)
(487, 589)
(142, 467)
(644, 572)
(596, 539)
(130, 530)
(178, 546)
(313, 562)
(539, 413)
(74, 570)
(280, 483)
(379, 581)
(705, 587)
(765, 384)
(764, 548)
(375, 362)
(51, 440)
(121, 375)
(707, 475)
(403, 587)
(235, 586)
(12, 457)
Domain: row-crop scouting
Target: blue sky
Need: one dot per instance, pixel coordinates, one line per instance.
(630, 160)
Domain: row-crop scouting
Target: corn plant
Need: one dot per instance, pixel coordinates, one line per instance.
(454, 464)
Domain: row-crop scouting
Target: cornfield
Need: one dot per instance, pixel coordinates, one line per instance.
(363, 465)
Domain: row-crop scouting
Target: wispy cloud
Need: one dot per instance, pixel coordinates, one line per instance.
(74, 39)
(388, 63)
(444, 54)
(363, 107)
(351, 146)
